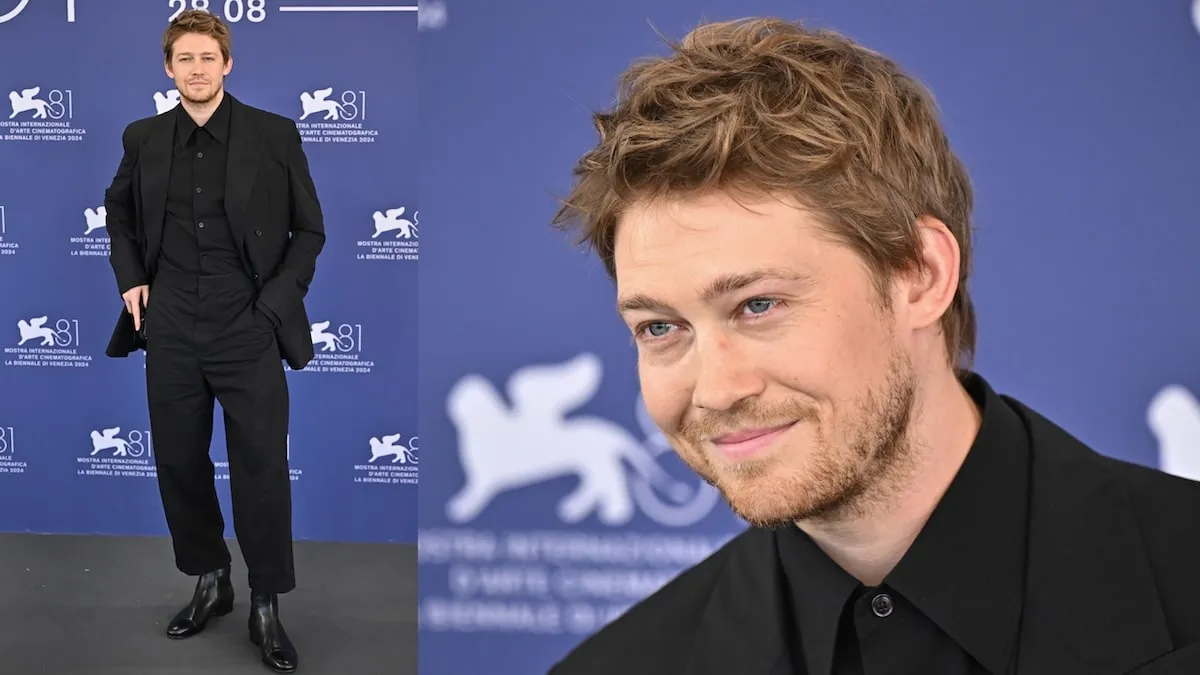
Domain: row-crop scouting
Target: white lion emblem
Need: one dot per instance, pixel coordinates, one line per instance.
(1174, 418)
(503, 448)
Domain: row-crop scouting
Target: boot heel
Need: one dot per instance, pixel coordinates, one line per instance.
(223, 608)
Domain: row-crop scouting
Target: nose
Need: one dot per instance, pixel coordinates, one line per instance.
(725, 374)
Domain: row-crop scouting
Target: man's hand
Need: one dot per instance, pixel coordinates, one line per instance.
(135, 299)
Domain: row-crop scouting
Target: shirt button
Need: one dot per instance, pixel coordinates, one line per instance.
(197, 190)
(199, 155)
(881, 605)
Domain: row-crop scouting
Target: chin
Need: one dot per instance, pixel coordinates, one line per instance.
(757, 492)
(200, 98)
(761, 506)
(773, 494)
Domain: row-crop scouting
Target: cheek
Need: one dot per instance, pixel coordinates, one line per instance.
(825, 353)
(666, 402)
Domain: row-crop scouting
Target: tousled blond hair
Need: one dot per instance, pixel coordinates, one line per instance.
(769, 107)
(200, 22)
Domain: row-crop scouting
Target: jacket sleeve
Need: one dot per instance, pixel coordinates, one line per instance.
(125, 254)
(283, 293)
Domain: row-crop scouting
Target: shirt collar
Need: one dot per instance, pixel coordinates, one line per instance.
(217, 125)
(964, 571)
(819, 590)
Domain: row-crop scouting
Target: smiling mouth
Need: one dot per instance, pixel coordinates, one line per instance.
(743, 444)
(748, 435)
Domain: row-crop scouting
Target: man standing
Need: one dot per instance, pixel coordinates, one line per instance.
(790, 236)
(216, 228)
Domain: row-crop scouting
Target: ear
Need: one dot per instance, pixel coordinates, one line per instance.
(170, 71)
(926, 293)
(228, 65)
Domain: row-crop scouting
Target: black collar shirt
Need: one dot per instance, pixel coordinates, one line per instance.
(217, 125)
(953, 604)
(197, 239)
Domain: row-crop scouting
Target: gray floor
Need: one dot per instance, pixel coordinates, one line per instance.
(73, 605)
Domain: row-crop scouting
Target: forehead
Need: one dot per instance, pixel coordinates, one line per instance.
(687, 242)
(195, 43)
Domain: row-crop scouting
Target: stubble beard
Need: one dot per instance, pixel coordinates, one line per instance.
(198, 102)
(836, 482)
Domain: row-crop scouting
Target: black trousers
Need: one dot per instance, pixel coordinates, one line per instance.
(206, 341)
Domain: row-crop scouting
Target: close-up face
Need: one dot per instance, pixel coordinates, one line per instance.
(765, 353)
(198, 68)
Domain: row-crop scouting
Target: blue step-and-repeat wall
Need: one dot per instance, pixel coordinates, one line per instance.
(1080, 123)
(76, 455)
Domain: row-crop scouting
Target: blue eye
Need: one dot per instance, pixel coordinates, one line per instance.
(651, 329)
(760, 305)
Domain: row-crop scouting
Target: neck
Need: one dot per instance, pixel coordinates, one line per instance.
(869, 539)
(202, 112)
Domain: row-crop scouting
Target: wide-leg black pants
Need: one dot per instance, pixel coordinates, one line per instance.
(206, 341)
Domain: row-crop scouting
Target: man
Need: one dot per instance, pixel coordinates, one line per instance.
(789, 233)
(216, 228)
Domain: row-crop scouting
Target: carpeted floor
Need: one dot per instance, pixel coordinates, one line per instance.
(81, 605)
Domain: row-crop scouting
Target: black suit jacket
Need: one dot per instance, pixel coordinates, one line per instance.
(270, 201)
(1113, 588)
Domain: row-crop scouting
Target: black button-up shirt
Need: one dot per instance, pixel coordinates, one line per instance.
(196, 235)
(952, 606)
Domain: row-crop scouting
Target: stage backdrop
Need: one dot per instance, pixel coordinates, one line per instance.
(75, 448)
(1081, 129)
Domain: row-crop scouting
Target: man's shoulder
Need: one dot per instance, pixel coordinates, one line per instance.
(1167, 500)
(643, 639)
(270, 121)
(1166, 506)
(1163, 505)
(140, 128)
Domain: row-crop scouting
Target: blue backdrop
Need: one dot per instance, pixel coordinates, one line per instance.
(1079, 122)
(73, 77)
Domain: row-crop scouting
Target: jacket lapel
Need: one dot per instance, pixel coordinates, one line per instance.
(245, 149)
(1091, 604)
(741, 631)
(154, 165)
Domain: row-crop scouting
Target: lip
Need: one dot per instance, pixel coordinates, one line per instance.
(744, 444)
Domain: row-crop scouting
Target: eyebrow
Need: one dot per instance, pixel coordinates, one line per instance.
(717, 288)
